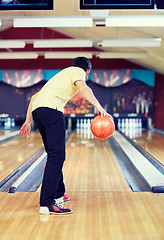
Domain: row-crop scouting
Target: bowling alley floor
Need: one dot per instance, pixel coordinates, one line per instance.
(104, 207)
(97, 215)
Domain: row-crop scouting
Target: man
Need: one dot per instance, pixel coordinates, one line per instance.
(46, 108)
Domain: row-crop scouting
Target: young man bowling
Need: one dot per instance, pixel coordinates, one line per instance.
(46, 108)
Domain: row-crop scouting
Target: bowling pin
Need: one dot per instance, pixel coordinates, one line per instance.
(119, 124)
(8, 123)
(133, 122)
(77, 124)
(140, 123)
(78, 127)
(81, 128)
(123, 123)
(12, 122)
(88, 129)
(136, 123)
(126, 122)
(85, 128)
(130, 123)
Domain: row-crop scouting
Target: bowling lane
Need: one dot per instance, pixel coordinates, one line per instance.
(152, 143)
(96, 216)
(8, 134)
(4, 131)
(91, 166)
(16, 151)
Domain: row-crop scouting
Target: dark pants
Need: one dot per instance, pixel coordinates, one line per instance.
(51, 125)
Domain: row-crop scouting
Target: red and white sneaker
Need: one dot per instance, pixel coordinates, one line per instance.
(54, 209)
(62, 199)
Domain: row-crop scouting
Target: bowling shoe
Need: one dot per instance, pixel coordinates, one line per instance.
(54, 209)
(62, 199)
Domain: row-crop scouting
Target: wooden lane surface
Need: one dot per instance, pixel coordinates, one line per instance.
(152, 143)
(16, 151)
(4, 131)
(96, 216)
(91, 166)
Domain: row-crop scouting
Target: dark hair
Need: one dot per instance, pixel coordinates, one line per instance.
(82, 62)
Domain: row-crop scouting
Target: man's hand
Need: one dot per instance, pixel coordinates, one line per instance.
(25, 129)
(103, 113)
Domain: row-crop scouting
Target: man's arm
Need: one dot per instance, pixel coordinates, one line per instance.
(89, 96)
(25, 129)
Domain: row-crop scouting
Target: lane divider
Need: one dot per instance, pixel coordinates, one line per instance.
(23, 177)
(152, 176)
(18, 182)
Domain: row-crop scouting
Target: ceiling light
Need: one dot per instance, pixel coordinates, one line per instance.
(18, 55)
(62, 43)
(119, 55)
(53, 22)
(135, 21)
(66, 55)
(141, 42)
(12, 44)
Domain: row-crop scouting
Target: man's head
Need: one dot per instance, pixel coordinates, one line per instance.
(82, 62)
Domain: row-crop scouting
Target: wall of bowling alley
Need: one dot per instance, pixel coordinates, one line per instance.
(49, 64)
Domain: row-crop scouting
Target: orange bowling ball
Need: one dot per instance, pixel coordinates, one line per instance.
(102, 128)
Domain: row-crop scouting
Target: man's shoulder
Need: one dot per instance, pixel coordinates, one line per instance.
(73, 69)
